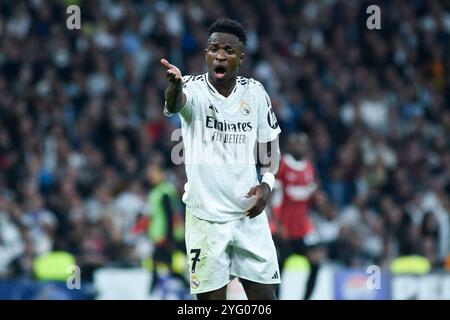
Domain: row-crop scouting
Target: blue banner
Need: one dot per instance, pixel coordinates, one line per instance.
(35, 290)
(360, 285)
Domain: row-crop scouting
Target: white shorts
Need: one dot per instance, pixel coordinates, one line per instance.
(221, 251)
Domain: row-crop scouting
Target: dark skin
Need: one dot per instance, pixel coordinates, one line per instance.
(224, 55)
(299, 146)
(253, 290)
(224, 51)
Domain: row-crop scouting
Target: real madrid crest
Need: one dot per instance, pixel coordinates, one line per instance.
(195, 282)
(245, 108)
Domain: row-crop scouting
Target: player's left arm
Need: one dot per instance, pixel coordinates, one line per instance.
(270, 159)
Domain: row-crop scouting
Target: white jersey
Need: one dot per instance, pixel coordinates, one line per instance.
(219, 135)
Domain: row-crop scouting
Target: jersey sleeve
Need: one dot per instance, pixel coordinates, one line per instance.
(186, 111)
(268, 127)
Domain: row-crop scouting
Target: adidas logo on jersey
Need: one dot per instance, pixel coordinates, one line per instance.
(213, 108)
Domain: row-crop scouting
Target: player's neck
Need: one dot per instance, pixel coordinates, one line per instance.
(225, 88)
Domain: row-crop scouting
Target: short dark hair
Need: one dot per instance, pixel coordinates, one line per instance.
(229, 26)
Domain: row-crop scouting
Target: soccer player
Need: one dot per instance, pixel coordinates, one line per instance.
(166, 227)
(295, 187)
(223, 115)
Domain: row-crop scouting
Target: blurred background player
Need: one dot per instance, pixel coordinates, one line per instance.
(166, 229)
(292, 226)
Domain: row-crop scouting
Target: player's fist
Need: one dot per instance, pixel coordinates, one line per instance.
(173, 73)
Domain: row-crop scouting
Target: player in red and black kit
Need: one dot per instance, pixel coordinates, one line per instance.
(291, 225)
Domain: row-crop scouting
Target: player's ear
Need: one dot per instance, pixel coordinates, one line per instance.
(241, 58)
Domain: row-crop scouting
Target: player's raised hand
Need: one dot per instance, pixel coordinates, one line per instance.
(261, 192)
(173, 73)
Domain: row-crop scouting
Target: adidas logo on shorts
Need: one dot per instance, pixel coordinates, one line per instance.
(275, 276)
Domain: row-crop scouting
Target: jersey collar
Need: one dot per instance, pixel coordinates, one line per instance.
(214, 90)
(295, 164)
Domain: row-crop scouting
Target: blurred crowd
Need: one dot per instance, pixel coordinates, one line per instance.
(81, 120)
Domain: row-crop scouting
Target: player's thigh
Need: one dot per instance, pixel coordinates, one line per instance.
(258, 291)
(218, 294)
(208, 258)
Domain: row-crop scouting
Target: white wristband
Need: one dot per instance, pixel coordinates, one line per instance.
(269, 178)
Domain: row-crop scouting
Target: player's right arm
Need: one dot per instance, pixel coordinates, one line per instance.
(175, 98)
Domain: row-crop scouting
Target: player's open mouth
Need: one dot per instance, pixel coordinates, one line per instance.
(220, 72)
